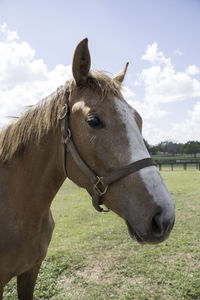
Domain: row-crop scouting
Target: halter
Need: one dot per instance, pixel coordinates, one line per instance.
(100, 184)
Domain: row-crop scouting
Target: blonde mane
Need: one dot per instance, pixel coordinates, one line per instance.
(39, 119)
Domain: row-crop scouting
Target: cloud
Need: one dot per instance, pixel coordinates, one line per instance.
(189, 129)
(24, 80)
(6, 34)
(128, 93)
(186, 130)
(154, 134)
(162, 83)
(154, 56)
(193, 70)
(178, 52)
(17, 63)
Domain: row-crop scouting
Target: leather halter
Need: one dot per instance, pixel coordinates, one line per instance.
(100, 183)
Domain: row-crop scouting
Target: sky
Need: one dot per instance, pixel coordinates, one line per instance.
(159, 38)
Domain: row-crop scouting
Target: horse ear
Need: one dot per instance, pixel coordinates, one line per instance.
(120, 76)
(81, 62)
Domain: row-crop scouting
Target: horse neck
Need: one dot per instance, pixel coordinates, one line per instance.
(37, 174)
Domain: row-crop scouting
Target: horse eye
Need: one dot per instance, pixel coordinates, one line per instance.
(95, 122)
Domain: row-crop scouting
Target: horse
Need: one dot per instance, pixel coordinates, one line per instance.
(85, 131)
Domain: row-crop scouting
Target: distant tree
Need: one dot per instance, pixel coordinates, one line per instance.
(164, 146)
(161, 147)
(192, 147)
(180, 148)
(169, 147)
(173, 148)
(154, 150)
(147, 145)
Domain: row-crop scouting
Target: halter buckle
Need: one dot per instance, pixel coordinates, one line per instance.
(99, 185)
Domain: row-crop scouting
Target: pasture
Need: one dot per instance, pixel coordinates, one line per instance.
(91, 255)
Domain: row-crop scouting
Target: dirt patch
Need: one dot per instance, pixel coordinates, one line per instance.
(71, 288)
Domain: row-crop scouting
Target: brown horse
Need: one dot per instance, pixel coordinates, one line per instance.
(84, 129)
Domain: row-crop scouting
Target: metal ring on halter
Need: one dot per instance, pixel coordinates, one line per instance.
(102, 185)
(63, 112)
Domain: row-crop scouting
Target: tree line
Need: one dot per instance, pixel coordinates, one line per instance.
(168, 147)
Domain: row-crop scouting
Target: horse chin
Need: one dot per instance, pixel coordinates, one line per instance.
(134, 235)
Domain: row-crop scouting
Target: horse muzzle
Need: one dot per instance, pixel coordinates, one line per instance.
(158, 230)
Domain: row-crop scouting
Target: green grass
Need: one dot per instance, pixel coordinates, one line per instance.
(92, 257)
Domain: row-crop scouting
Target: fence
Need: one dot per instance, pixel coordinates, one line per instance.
(183, 163)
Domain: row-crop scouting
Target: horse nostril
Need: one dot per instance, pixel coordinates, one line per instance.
(157, 226)
(161, 225)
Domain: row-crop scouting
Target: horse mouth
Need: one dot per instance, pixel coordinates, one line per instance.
(134, 234)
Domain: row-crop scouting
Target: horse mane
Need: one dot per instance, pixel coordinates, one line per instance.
(42, 117)
(104, 85)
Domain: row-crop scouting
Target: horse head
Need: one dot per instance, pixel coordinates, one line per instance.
(107, 132)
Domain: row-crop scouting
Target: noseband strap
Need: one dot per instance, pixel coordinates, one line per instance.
(100, 184)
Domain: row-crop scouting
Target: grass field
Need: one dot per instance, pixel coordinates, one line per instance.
(92, 257)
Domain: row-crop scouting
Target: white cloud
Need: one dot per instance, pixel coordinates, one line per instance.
(6, 34)
(193, 70)
(150, 110)
(178, 52)
(154, 56)
(186, 130)
(162, 83)
(24, 80)
(127, 93)
(17, 63)
(154, 134)
(195, 114)
(189, 129)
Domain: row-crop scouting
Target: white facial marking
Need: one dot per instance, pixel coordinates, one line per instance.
(137, 150)
(136, 147)
(157, 188)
